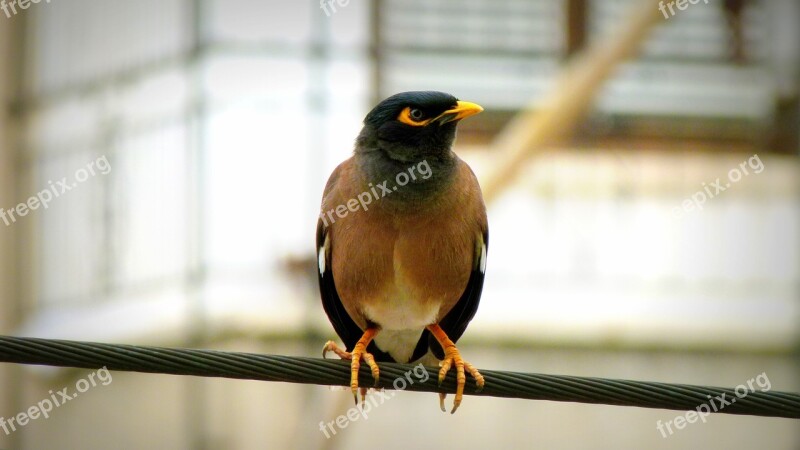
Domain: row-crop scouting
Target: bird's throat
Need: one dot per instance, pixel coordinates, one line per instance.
(408, 180)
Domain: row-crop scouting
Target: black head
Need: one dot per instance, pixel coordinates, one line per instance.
(412, 126)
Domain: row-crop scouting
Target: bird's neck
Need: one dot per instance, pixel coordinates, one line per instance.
(412, 181)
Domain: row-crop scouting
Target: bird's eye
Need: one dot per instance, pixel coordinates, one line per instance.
(413, 116)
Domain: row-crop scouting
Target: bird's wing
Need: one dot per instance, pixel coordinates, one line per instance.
(455, 322)
(342, 323)
(344, 326)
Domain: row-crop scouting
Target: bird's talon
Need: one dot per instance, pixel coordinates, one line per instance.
(373, 367)
(359, 352)
(331, 346)
(453, 357)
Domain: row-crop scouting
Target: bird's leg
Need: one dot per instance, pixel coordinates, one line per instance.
(453, 357)
(359, 352)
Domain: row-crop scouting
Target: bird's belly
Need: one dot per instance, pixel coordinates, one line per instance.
(399, 308)
(402, 316)
(399, 344)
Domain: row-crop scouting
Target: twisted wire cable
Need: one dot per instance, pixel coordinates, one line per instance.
(289, 369)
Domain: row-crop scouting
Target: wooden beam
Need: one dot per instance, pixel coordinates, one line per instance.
(532, 130)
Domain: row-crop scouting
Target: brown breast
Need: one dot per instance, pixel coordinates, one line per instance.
(403, 268)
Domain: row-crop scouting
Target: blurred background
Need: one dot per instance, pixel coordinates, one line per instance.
(219, 121)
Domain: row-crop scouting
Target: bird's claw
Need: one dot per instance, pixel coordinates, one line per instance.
(359, 352)
(452, 356)
(331, 346)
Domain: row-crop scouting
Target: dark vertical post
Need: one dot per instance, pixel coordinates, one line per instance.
(577, 20)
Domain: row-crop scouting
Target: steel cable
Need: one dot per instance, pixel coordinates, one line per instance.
(289, 369)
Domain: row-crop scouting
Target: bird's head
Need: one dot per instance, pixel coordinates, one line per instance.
(412, 126)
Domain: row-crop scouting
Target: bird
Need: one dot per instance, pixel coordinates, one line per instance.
(402, 240)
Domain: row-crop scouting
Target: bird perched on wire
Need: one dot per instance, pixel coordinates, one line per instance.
(402, 240)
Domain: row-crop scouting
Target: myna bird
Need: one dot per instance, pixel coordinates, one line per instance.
(402, 240)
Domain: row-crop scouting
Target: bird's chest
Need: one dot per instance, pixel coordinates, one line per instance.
(408, 274)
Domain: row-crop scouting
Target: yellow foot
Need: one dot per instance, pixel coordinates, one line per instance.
(359, 352)
(453, 357)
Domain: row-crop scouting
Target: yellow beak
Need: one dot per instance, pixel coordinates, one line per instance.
(461, 111)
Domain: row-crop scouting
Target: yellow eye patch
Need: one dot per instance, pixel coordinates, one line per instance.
(460, 111)
(405, 117)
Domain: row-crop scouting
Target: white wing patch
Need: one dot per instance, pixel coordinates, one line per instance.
(323, 251)
(482, 257)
